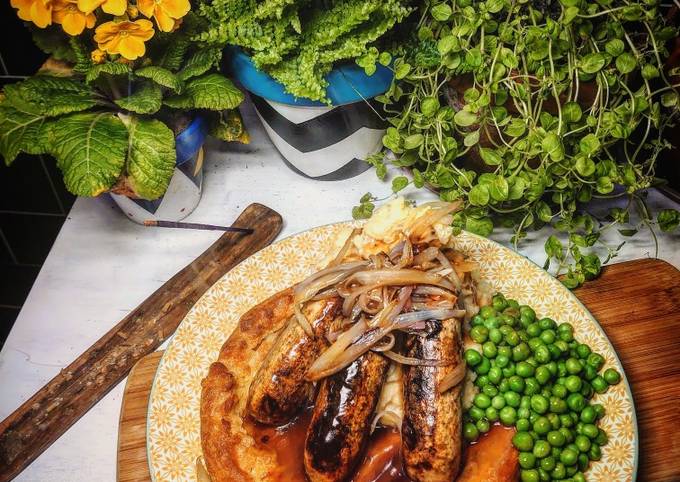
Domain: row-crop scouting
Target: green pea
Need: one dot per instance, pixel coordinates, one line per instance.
(479, 333)
(557, 405)
(568, 456)
(498, 402)
(611, 376)
(470, 432)
(599, 384)
(590, 430)
(472, 357)
(583, 461)
(483, 425)
(551, 366)
(547, 463)
(548, 337)
(595, 453)
(527, 460)
(554, 420)
(576, 402)
(588, 414)
(559, 390)
(521, 352)
(512, 338)
(555, 352)
(491, 414)
(509, 371)
(505, 351)
(566, 421)
(523, 412)
(524, 369)
(601, 438)
(489, 389)
(495, 375)
(542, 354)
(495, 335)
(599, 409)
(566, 336)
(578, 477)
(542, 425)
(482, 381)
(539, 404)
(533, 330)
(583, 350)
(589, 372)
(562, 346)
(587, 390)
(559, 472)
(489, 349)
(476, 413)
(523, 441)
(516, 383)
(522, 425)
(487, 311)
(503, 386)
(477, 320)
(492, 323)
(508, 319)
(582, 443)
(501, 361)
(573, 366)
(482, 400)
(555, 438)
(531, 386)
(595, 360)
(498, 302)
(565, 328)
(542, 375)
(512, 398)
(573, 383)
(541, 449)
(568, 434)
(530, 475)
(571, 470)
(483, 367)
(508, 416)
(534, 343)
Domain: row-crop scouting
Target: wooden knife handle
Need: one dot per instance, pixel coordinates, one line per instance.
(43, 418)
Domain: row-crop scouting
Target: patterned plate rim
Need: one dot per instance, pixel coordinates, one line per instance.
(553, 280)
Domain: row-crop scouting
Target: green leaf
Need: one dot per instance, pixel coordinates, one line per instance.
(446, 44)
(111, 68)
(615, 47)
(585, 166)
(552, 146)
(174, 52)
(626, 63)
(441, 12)
(146, 100)
(229, 127)
(589, 144)
(363, 211)
(571, 112)
(471, 138)
(650, 72)
(401, 70)
(211, 91)
(604, 185)
(200, 62)
(479, 195)
(553, 247)
(464, 118)
(413, 141)
(490, 156)
(418, 180)
(482, 226)
(592, 63)
(499, 189)
(161, 76)
(669, 99)
(399, 183)
(570, 14)
(516, 127)
(20, 131)
(517, 188)
(543, 211)
(429, 106)
(151, 157)
(90, 149)
(50, 96)
(668, 219)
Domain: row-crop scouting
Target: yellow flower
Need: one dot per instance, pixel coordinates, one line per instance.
(37, 11)
(98, 56)
(72, 20)
(125, 38)
(164, 11)
(114, 7)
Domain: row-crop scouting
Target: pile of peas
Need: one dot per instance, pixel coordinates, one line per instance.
(532, 374)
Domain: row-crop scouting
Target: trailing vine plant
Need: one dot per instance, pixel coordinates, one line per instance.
(530, 109)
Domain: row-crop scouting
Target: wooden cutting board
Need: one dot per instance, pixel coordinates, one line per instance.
(637, 303)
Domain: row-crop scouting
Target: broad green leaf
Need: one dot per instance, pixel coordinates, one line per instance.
(20, 131)
(90, 149)
(490, 156)
(552, 146)
(495, 6)
(517, 188)
(413, 141)
(200, 62)
(161, 76)
(399, 183)
(151, 157)
(418, 180)
(592, 63)
(146, 100)
(516, 127)
(604, 185)
(543, 211)
(482, 227)
(589, 144)
(111, 68)
(50, 96)
(571, 112)
(229, 127)
(446, 44)
(471, 138)
(479, 195)
(174, 52)
(401, 70)
(441, 12)
(464, 118)
(650, 71)
(553, 247)
(626, 63)
(211, 91)
(668, 219)
(615, 47)
(669, 99)
(429, 106)
(499, 189)
(585, 166)
(570, 14)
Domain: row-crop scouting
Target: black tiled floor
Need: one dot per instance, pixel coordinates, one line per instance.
(7, 317)
(20, 55)
(15, 283)
(30, 236)
(5, 256)
(25, 186)
(67, 199)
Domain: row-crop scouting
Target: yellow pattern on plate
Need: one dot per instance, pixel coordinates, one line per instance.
(173, 427)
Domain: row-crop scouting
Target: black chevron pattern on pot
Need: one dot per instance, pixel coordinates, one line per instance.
(322, 131)
(351, 169)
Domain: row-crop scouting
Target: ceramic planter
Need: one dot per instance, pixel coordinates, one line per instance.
(318, 141)
(184, 190)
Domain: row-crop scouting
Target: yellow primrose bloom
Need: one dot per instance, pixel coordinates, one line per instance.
(113, 7)
(72, 20)
(164, 11)
(125, 38)
(98, 56)
(37, 11)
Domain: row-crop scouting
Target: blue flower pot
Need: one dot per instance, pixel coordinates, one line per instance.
(317, 140)
(185, 188)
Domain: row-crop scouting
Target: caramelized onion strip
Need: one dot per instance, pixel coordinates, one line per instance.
(453, 378)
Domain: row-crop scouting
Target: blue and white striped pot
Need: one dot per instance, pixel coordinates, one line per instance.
(184, 190)
(316, 140)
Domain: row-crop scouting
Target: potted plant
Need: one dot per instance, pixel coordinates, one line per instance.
(312, 69)
(528, 110)
(124, 103)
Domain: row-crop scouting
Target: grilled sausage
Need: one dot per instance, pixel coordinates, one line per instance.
(339, 430)
(279, 390)
(432, 424)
